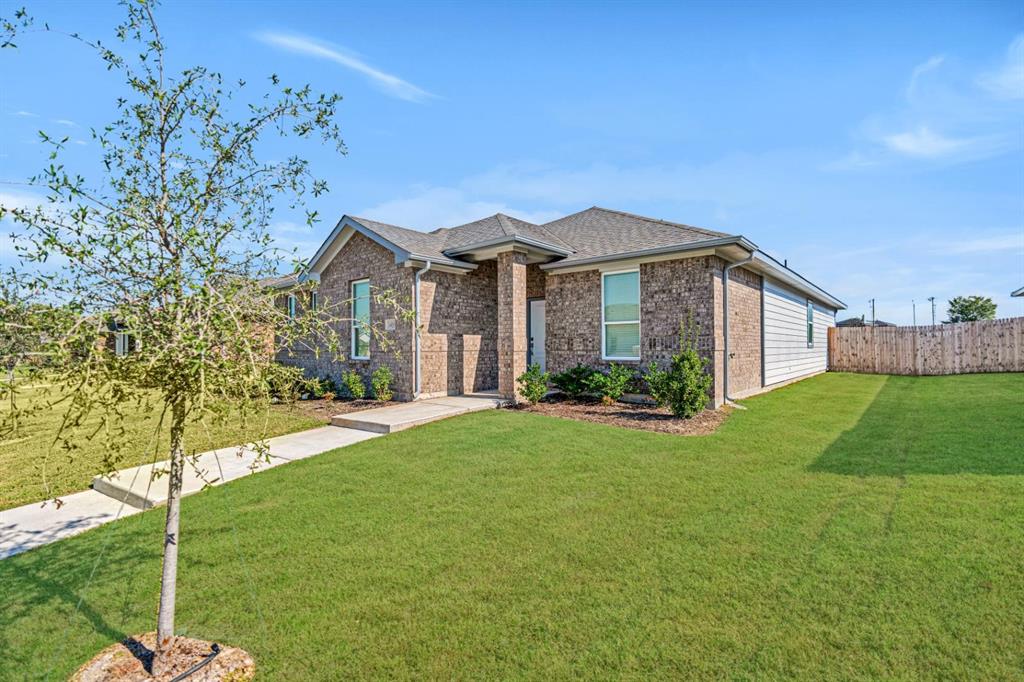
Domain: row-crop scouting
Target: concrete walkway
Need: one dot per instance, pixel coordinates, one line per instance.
(130, 491)
(407, 415)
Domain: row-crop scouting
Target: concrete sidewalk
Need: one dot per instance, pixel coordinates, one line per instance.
(407, 415)
(33, 525)
(130, 491)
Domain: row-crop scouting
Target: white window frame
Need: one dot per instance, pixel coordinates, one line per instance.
(809, 323)
(354, 325)
(314, 300)
(291, 306)
(120, 344)
(604, 325)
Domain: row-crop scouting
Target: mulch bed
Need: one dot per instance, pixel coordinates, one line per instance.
(131, 661)
(630, 416)
(325, 409)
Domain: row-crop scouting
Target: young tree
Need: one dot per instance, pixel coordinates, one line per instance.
(971, 308)
(18, 340)
(169, 248)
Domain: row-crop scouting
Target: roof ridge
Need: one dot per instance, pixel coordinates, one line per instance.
(507, 228)
(656, 220)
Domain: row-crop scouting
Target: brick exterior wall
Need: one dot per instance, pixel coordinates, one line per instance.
(361, 258)
(744, 331)
(473, 326)
(512, 343)
(669, 291)
(459, 331)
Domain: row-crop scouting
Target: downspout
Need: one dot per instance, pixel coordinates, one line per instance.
(416, 295)
(726, 398)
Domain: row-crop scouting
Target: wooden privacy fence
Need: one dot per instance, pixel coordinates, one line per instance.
(961, 348)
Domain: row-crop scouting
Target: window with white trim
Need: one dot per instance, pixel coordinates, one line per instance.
(120, 344)
(620, 315)
(314, 300)
(810, 324)
(361, 319)
(291, 306)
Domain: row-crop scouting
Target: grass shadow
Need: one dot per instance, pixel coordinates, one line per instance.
(969, 424)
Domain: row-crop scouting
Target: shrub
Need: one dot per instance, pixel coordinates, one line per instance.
(329, 385)
(683, 387)
(328, 396)
(533, 383)
(354, 385)
(381, 382)
(573, 382)
(612, 384)
(284, 383)
(315, 388)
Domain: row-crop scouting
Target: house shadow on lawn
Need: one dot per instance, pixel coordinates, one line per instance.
(935, 425)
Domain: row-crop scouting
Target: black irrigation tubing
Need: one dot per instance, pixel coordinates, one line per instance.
(214, 650)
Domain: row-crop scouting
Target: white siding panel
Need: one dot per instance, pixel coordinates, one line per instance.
(786, 355)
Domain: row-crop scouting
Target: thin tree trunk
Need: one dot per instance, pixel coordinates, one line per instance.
(14, 407)
(169, 579)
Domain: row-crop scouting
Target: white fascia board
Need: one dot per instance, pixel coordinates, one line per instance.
(340, 235)
(509, 241)
(684, 250)
(421, 261)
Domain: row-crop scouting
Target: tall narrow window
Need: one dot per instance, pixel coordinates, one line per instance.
(810, 324)
(314, 300)
(120, 344)
(361, 319)
(291, 307)
(620, 315)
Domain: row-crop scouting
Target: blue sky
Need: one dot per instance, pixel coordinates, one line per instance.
(878, 147)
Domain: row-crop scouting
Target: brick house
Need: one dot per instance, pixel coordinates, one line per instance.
(594, 287)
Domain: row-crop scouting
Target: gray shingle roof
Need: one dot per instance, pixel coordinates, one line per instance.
(591, 233)
(425, 244)
(495, 227)
(597, 232)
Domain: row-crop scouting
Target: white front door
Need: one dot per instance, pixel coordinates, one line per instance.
(535, 334)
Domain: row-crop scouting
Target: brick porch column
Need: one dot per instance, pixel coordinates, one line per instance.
(511, 321)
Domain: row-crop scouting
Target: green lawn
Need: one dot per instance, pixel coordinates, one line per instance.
(848, 526)
(25, 459)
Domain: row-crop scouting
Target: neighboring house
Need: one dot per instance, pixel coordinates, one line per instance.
(861, 322)
(594, 287)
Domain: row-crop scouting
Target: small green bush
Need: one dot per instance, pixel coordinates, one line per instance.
(574, 382)
(533, 383)
(329, 385)
(285, 383)
(612, 384)
(354, 385)
(683, 387)
(380, 380)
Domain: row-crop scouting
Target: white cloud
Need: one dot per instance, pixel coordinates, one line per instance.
(1009, 243)
(946, 117)
(65, 122)
(25, 114)
(14, 198)
(388, 83)
(1007, 82)
(925, 143)
(295, 238)
(920, 70)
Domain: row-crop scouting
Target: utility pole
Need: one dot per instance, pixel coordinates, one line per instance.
(913, 307)
(872, 302)
(932, 300)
